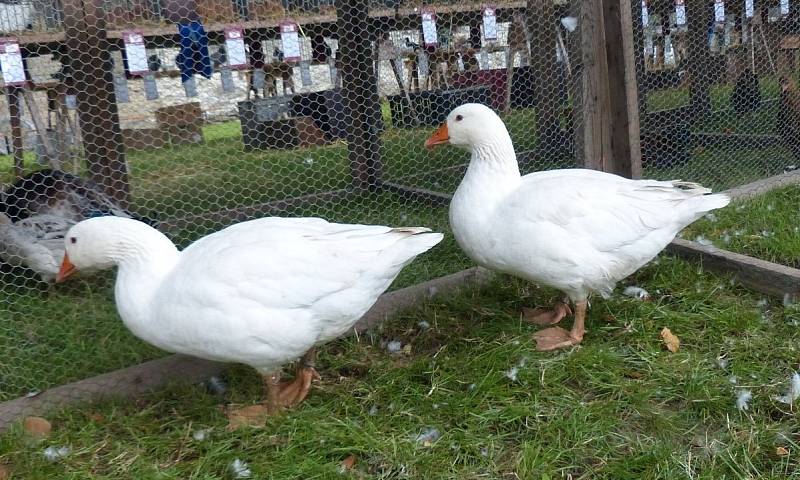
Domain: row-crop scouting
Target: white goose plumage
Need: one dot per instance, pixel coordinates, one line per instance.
(262, 292)
(579, 231)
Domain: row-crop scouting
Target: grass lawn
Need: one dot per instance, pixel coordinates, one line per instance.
(767, 227)
(618, 407)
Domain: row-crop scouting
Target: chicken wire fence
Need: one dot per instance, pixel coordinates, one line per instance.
(192, 116)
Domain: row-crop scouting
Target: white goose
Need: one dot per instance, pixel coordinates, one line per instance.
(262, 292)
(579, 231)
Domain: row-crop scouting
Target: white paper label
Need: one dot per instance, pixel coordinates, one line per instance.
(484, 60)
(749, 10)
(719, 11)
(489, 24)
(784, 7)
(234, 47)
(290, 41)
(305, 73)
(11, 58)
(429, 37)
(422, 63)
(680, 13)
(645, 14)
(135, 52)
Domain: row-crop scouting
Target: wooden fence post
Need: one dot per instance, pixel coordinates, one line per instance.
(698, 15)
(626, 152)
(90, 59)
(359, 92)
(595, 105)
(541, 22)
(608, 138)
(15, 114)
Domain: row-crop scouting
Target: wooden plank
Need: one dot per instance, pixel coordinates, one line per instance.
(15, 114)
(140, 379)
(595, 94)
(88, 52)
(698, 14)
(626, 154)
(760, 275)
(541, 21)
(359, 93)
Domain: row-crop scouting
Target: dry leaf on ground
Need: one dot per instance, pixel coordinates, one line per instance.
(36, 426)
(670, 340)
(348, 463)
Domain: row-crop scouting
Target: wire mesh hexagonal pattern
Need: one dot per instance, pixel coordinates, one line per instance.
(194, 115)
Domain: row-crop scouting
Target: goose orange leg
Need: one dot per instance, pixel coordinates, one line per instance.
(277, 395)
(556, 337)
(542, 316)
(294, 392)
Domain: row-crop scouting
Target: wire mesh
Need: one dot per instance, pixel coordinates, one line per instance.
(326, 117)
(717, 89)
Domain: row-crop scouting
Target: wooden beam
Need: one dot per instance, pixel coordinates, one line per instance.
(595, 105)
(541, 23)
(15, 114)
(698, 14)
(359, 92)
(760, 275)
(89, 54)
(626, 154)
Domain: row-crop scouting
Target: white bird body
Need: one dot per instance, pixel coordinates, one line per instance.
(261, 292)
(577, 230)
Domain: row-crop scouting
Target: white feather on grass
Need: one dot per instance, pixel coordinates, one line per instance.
(793, 393)
(743, 399)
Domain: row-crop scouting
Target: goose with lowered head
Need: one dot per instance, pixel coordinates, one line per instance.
(263, 292)
(577, 230)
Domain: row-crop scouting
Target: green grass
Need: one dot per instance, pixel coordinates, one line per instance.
(618, 407)
(767, 227)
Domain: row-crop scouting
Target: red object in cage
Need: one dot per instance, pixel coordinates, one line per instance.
(495, 79)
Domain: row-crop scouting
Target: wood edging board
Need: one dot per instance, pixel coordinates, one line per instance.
(145, 377)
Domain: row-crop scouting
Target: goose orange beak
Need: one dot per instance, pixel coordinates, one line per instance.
(66, 270)
(440, 136)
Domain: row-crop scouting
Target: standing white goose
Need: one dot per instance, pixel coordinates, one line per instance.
(262, 293)
(579, 231)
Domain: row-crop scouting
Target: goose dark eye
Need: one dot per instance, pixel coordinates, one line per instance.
(459, 118)
(73, 240)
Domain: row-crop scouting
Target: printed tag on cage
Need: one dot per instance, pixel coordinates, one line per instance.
(234, 47)
(422, 63)
(11, 61)
(749, 8)
(719, 11)
(135, 52)
(290, 41)
(121, 88)
(680, 13)
(258, 79)
(484, 60)
(190, 87)
(784, 7)
(645, 14)
(489, 23)
(333, 71)
(305, 73)
(429, 37)
(150, 87)
(226, 75)
(71, 101)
